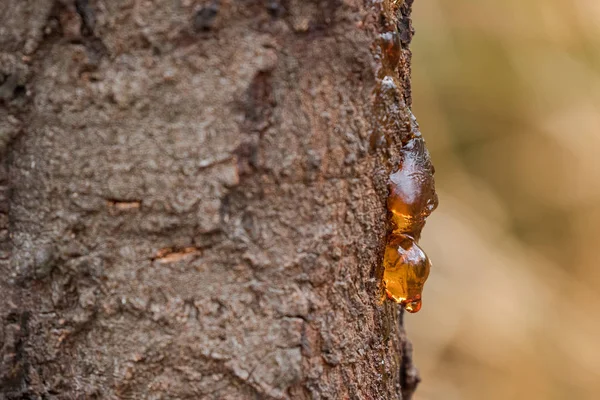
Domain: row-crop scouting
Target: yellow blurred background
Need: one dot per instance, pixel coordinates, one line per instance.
(507, 94)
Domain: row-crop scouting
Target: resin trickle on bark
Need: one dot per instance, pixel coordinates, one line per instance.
(411, 199)
(412, 194)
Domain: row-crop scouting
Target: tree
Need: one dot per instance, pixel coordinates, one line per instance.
(193, 198)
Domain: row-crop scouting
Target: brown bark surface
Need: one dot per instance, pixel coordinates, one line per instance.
(191, 204)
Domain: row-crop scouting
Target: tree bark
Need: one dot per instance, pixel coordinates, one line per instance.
(193, 199)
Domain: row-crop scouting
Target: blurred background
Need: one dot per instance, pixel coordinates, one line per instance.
(507, 94)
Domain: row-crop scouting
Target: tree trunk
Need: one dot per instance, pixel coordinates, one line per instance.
(193, 198)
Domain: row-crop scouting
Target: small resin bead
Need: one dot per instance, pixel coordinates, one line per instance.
(406, 270)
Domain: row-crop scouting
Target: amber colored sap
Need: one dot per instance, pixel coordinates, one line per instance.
(412, 198)
(406, 270)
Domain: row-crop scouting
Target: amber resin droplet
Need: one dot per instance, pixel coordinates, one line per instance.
(406, 270)
(412, 198)
(412, 195)
(390, 46)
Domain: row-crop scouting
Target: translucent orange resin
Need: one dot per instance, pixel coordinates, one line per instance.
(406, 270)
(411, 199)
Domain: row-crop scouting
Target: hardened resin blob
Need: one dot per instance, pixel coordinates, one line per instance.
(406, 270)
(411, 199)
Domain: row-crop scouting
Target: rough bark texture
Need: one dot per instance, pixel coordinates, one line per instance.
(190, 205)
